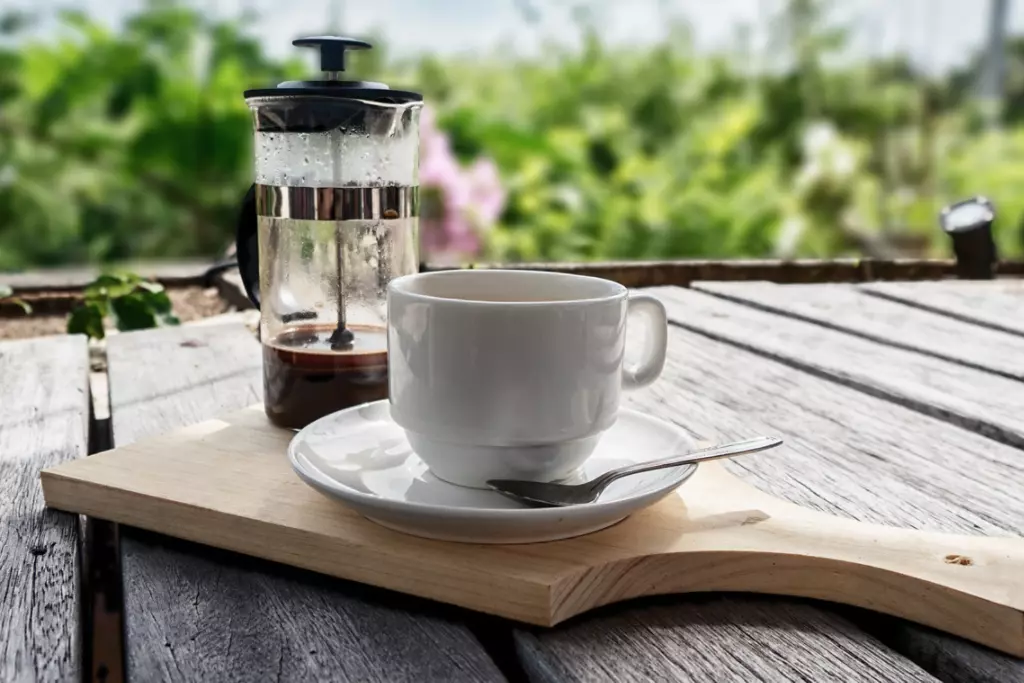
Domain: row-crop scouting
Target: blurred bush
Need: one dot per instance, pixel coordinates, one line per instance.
(138, 144)
(129, 144)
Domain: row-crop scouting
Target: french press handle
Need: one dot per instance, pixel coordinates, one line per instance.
(332, 50)
(247, 247)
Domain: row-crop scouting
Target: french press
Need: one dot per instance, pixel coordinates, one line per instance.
(330, 220)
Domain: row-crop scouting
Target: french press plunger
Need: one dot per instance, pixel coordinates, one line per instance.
(331, 219)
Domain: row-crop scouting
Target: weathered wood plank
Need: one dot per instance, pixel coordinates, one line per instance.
(193, 613)
(845, 308)
(713, 639)
(996, 303)
(44, 420)
(719, 392)
(846, 453)
(981, 401)
(949, 660)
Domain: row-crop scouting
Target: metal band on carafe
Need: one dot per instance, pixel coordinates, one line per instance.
(338, 203)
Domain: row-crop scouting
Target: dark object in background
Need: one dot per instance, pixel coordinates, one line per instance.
(247, 247)
(969, 225)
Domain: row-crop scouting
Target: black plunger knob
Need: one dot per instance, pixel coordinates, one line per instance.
(332, 49)
(969, 225)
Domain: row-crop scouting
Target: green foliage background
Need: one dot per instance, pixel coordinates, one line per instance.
(137, 143)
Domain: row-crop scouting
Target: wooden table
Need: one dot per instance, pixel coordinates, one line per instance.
(900, 403)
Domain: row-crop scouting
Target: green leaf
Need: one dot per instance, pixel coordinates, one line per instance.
(108, 279)
(6, 291)
(100, 301)
(130, 278)
(152, 287)
(87, 319)
(170, 319)
(133, 313)
(109, 286)
(25, 306)
(158, 301)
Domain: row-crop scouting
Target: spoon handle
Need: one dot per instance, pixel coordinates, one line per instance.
(728, 450)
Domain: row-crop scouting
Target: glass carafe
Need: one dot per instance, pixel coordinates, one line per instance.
(336, 209)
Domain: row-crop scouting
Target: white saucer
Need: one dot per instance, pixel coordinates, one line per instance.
(361, 457)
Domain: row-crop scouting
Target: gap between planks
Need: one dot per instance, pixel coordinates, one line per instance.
(103, 639)
(938, 310)
(935, 297)
(729, 321)
(740, 295)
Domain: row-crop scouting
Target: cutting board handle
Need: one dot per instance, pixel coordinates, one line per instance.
(729, 536)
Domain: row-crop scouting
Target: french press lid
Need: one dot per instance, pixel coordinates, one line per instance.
(333, 53)
(309, 106)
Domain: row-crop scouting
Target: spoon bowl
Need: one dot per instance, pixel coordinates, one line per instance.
(553, 494)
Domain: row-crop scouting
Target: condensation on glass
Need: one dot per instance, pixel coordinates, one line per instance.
(337, 197)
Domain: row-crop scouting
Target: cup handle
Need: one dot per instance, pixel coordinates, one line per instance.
(653, 360)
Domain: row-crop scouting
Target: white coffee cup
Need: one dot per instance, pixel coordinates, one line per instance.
(512, 373)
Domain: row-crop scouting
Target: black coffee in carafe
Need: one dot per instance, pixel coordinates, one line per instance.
(332, 218)
(304, 379)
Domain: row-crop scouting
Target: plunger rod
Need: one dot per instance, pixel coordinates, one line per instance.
(342, 337)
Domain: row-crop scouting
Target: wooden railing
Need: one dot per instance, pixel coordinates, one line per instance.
(60, 297)
(683, 272)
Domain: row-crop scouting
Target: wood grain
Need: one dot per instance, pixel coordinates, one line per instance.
(981, 401)
(849, 454)
(725, 536)
(856, 502)
(995, 304)
(751, 625)
(846, 453)
(44, 420)
(711, 639)
(951, 659)
(848, 309)
(196, 614)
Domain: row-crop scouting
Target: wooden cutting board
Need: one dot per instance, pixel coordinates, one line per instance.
(227, 483)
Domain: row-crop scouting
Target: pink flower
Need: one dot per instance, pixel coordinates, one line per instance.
(438, 165)
(428, 121)
(457, 204)
(487, 196)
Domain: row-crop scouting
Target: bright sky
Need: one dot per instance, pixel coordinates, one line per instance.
(935, 33)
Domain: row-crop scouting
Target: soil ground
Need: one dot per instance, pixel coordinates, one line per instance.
(188, 303)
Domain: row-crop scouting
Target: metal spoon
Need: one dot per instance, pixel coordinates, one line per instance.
(559, 495)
